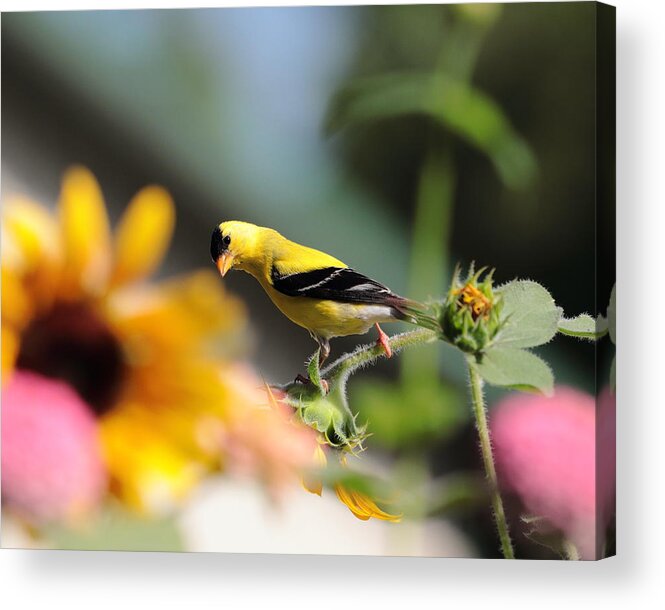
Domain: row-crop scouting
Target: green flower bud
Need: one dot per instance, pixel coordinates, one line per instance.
(333, 421)
(470, 314)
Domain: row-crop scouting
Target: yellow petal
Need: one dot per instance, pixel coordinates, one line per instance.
(30, 235)
(17, 307)
(362, 506)
(143, 234)
(150, 473)
(312, 484)
(310, 481)
(10, 345)
(12, 256)
(346, 498)
(320, 457)
(31, 248)
(178, 315)
(85, 233)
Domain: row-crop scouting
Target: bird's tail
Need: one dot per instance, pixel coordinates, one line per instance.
(415, 313)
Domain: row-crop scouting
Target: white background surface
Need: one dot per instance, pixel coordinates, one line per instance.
(634, 579)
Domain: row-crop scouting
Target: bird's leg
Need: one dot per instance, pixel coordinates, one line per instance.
(323, 356)
(383, 341)
(324, 344)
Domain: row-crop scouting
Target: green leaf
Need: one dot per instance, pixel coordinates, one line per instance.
(530, 314)
(612, 315)
(116, 529)
(584, 327)
(458, 493)
(332, 420)
(376, 98)
(453, 104)
(517, 369)
(314, 371)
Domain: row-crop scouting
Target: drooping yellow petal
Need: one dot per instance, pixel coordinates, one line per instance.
(345, 497)
(362, 506)
(143, 234)
(370, 507)
(86, 235)
(310, 481)
(10, 345)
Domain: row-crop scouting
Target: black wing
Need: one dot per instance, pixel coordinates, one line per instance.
(336, 284)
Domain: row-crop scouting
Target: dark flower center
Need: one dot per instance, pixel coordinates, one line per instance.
(71, 342)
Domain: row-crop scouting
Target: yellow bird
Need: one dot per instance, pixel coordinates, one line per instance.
(311, 288)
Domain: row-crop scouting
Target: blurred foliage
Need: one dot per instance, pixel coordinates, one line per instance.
(546, 94)
(452, 104)
(409, 416)
(117, 529)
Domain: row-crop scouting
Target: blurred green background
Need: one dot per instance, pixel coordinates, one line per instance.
(327, 124)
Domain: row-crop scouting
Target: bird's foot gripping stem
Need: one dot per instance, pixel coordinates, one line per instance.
(300, 378)
(384, 341)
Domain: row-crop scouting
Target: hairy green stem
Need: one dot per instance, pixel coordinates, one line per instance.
(337, 373)
(480, 413)
(367, 354)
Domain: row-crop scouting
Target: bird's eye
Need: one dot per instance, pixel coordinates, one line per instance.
(226, 240)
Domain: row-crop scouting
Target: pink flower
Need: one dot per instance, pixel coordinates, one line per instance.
(51, 461)
(558, 455)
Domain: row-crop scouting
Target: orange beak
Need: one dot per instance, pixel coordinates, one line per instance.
(224, 263)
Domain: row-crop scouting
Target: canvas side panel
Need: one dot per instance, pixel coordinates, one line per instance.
(605, 268)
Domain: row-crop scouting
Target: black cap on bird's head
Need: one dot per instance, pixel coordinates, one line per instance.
(219, 250)
(233, 244)
(217, 246)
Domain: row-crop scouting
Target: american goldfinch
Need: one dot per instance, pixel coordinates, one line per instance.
(311, 288)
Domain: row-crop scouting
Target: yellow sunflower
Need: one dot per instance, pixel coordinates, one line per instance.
(145, 357)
